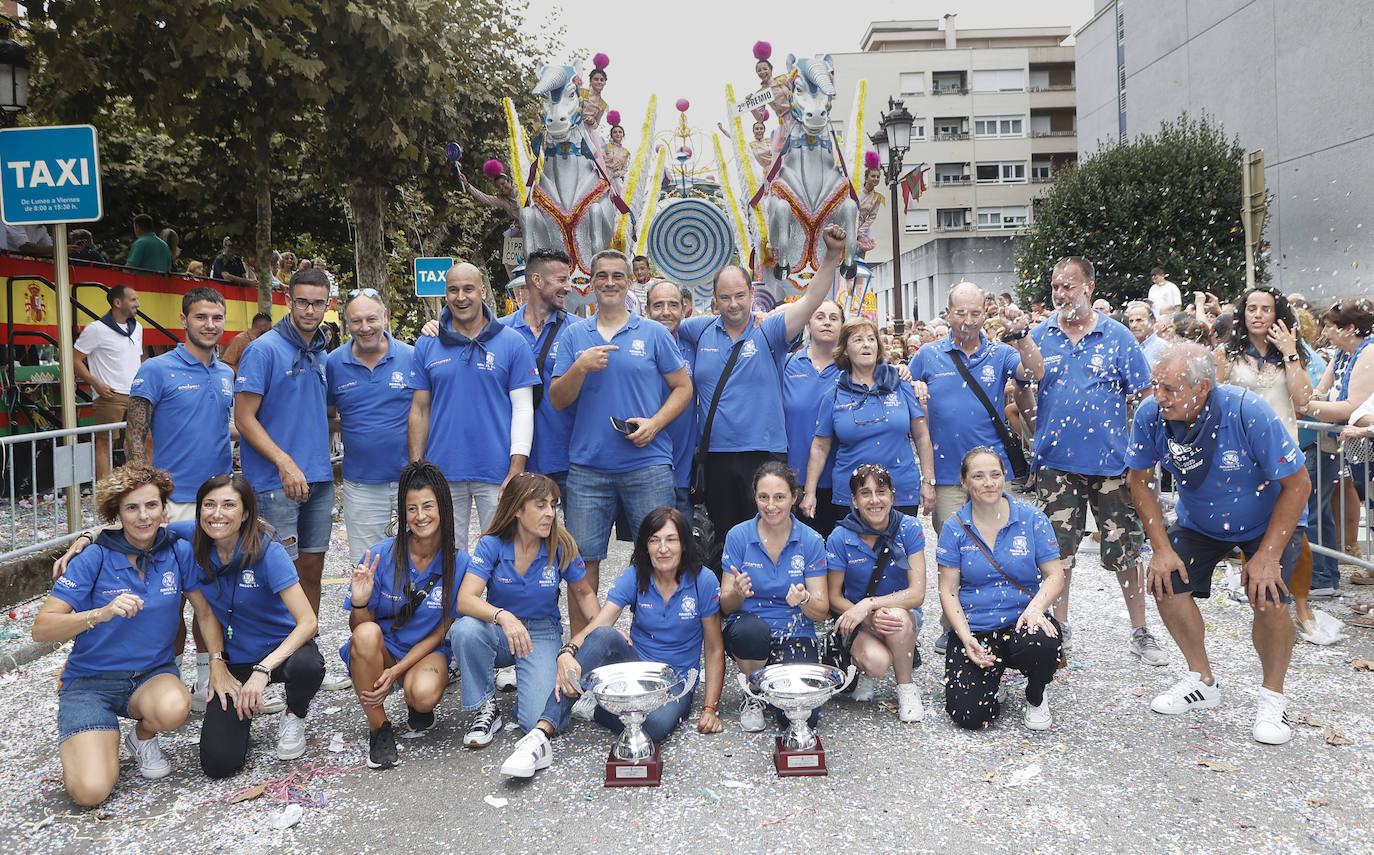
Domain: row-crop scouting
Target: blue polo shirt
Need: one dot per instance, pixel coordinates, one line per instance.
(1024, 543)
(1253, 451)
(260, 621)
(683, 430)
(1081, 423)
(749, 417)
(846, 552)
(374, 411)
(533, 596)
(293, 410)
(668, 632)
(470, 410)
(802, 388)
(630, 385)
(552, 427)
(872, 429)
(387, 600)
(958, 420)
(190, 424)
(802, 558)
(93, 580)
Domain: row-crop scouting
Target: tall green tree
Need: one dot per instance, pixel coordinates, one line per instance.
(1170, 199)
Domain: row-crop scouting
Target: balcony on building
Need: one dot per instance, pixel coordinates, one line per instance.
(948, 82)
(950, 128)
(953, 219)
(1045, 168)
(952, 174)
(1053, 130)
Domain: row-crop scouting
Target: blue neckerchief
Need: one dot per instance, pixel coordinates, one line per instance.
(887, 537)
(1272, 356)
(885, 380)
(452, 338)
(312, 354)
(1193, 448)
(127, 330)
(115, 541)
(1343, 367)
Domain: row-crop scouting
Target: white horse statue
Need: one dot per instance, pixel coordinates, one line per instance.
(571, 204)
(810, 187)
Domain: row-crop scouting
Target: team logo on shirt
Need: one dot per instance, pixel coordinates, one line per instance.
(1097, 360)
(489, 364)
(989, 373)
(688, 609)
(138, 381)
(748, 350)
(65, 582)
(637, 347)
(225, 386)
(1019, 546)
(398, 381)
(797, 562)
(893, 400)
(169, 583)
(248, 580)
(550, 576)
(1230, 461)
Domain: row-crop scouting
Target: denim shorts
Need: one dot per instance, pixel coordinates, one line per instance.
(99, 701)
(302, 526)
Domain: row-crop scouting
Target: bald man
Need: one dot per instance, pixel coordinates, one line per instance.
(472, 408)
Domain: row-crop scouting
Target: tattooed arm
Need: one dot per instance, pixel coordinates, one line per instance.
(138, 419)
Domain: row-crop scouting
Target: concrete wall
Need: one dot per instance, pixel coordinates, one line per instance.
(1290, 78)
(930, 270)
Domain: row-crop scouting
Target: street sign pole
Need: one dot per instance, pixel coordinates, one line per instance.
(64, 350)
(1253, 209)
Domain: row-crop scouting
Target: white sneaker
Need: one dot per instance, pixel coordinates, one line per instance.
(1271, 719)
(152, 763)
(198, 693)
(863, 688)
(1038, 718)
(751, 711)
(531, 754)
(1144, 647)
(1188, 694)
(909, 707)
(274, 699)
(336, 682)
(290, 737)
(505, 679)
(585, 706)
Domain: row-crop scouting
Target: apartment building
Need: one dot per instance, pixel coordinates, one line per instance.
(995, 120)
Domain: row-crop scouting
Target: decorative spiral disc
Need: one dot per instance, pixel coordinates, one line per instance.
(689, 240)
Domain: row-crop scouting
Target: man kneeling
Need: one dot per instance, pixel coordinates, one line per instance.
(1241, 483)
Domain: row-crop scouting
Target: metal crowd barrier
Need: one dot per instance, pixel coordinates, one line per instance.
(1334, 468)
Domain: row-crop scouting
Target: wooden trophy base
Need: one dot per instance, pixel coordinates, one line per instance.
(792, 764)
(622, 773)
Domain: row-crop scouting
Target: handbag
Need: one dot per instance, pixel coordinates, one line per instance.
(1015, 453)
(834, 647)
(697, 486)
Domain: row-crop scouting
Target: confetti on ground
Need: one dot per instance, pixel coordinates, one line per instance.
(1216, 765)
(496, 801)
(1335, 737)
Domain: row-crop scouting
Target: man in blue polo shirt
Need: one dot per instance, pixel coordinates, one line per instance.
(280, 411)
(544, 324)
(748, 428)
(663, 303)
(471, 411)
(369, 403)
(1241, 482)
(615, 366)
(1093, 367)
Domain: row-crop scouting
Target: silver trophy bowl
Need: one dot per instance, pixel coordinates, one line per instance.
(797, 688)
(632, 690)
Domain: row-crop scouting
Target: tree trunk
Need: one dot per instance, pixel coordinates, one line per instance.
(368, 203)
(262, 189)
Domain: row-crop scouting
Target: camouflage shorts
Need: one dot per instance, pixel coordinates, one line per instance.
(1066, 497)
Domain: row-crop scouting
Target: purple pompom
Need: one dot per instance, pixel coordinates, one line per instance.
(601, 61)
(613, 117)
(493, 169)
(872, 161)
(683, 104)
(762, 50)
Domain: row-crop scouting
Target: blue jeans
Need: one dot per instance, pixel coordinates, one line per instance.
(1321, 524)
(594, 499)
(481, 647)
(302, 526)
(606, 646)
(682, 500)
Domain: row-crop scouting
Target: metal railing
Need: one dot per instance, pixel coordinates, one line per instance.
(1334, 468)
(43, 477)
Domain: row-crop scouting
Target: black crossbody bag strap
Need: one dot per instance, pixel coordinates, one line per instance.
(993, 561)
(705, 445)
(544, 354)
(880, 563)
(1015, 453)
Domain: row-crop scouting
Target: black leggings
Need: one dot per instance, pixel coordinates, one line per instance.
(730, 493)
(971, 691)
(224, 737)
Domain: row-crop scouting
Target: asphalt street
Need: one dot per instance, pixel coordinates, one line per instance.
(1110, 776)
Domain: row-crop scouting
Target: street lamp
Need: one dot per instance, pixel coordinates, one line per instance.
(14, 77)
(893, 141)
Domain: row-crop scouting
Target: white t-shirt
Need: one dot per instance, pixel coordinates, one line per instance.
(1365, 409)
(17, 236)
(113, 358)
(1164, 295)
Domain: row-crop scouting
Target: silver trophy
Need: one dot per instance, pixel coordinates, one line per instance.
(797, 688)
(632, 690)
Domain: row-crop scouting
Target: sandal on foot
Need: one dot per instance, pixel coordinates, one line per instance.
(1362, 608)
(1366, 621)
(1362, 577)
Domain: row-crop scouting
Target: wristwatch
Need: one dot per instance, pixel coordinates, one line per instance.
(1011, 337)
(930, 481)
(219, 655)
(1292, 357)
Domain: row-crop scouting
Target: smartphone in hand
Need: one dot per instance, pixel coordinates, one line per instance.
(622, 426)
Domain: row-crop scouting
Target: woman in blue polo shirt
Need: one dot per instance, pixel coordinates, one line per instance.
(870, 416)
(807, 375)
(773, 586)
(519, 564)
(400, 605)
(882, 614)
(121, 600)
(269, 626)
(675, 602)
(999, 574)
